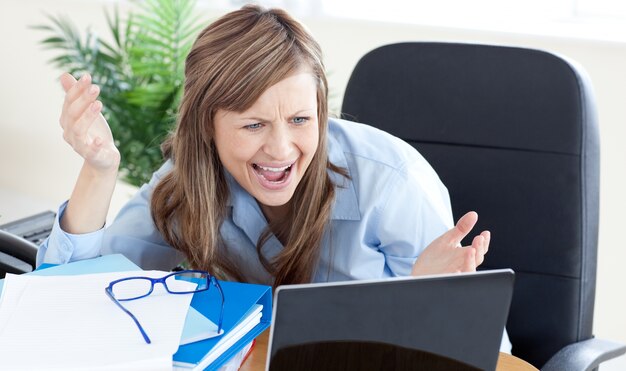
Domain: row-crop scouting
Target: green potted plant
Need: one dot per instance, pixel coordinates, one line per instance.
(140, 73)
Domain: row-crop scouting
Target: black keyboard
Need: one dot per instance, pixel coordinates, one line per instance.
(34, 228)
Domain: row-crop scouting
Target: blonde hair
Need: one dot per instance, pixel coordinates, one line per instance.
(232, 62)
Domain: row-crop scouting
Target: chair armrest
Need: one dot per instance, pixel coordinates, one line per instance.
(584, 355)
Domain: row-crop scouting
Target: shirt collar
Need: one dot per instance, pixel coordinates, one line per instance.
(246, 213)
(346, 205)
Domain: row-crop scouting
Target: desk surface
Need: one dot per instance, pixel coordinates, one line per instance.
(256, 360)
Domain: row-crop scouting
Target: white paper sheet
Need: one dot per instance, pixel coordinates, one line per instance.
(69, 323)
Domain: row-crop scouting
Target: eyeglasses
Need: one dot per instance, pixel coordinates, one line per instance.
(132, 288)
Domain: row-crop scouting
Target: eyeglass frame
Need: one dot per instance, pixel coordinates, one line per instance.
(210, 280)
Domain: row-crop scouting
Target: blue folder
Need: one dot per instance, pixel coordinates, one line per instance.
(238, 299)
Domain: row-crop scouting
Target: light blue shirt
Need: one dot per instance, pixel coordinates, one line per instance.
(391, 208)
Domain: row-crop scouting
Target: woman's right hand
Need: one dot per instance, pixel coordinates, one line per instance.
(84, 127)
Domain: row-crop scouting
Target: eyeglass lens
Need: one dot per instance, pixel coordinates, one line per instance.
(137, 287)
(131, 288)
(198, 278)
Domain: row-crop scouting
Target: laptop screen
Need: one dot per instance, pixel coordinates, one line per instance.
(438, 322)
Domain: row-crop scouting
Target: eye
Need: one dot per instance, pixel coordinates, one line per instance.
(253, 126)
(300, 120)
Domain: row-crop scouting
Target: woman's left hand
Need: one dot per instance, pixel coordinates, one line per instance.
(446, 255)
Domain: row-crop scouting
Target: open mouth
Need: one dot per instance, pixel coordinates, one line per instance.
(273, 174)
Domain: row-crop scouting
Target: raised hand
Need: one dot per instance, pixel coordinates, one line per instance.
(446, 255)
(86, 130)
(84, 127)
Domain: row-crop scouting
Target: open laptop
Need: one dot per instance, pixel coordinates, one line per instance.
(410, 323)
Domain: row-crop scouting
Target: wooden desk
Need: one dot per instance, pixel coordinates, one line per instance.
(256, 359)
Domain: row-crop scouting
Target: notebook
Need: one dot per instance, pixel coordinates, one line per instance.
(392, 323)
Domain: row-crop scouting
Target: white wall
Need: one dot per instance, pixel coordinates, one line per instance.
(34, 160)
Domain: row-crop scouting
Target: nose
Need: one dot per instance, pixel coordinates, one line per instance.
(279, 143)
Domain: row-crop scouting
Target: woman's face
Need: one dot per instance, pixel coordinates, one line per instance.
(268, 148)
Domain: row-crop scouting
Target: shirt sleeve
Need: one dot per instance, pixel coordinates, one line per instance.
(417, 210)
(132, 234)
(61, 247)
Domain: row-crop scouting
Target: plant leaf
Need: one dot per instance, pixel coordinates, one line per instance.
(140, 72)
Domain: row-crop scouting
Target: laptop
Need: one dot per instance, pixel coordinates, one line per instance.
(406, 323)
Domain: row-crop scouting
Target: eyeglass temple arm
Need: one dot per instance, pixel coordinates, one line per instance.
(143, 333)
(219, 288)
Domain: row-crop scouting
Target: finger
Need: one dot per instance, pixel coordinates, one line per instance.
(482, 243)
(80, 105)
(77, 89)
(67, 81)
(67, 117)
(487, 236)
(462, 228)
(487, 239)
(80, 129)
(478, 243)
(469, 260)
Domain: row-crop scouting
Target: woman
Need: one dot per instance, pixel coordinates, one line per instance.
(259, 184)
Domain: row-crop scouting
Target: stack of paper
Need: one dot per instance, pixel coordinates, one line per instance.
(69, 323)
(239, 311)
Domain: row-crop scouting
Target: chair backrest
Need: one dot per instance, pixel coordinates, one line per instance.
(512, 133)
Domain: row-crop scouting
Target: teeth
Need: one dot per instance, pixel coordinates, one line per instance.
(274, 169)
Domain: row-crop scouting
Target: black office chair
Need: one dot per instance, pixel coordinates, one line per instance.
(512, 133)
(17, 255)
(20, 240)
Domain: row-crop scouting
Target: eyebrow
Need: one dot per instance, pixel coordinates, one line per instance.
(258, 118)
